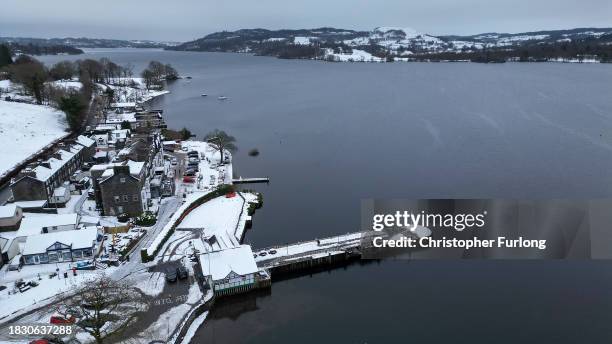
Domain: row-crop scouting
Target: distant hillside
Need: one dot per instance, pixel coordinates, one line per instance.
(40, 49)
(84, 42)
(394, 44)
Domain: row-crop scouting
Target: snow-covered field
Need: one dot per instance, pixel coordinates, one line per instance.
(25, 129)
(356, 56)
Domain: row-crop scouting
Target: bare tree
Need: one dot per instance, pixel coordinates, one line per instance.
(63, 70)
(221, 141)
(99, 302)
(32, 74)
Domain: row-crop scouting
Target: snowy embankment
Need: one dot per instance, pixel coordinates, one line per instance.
(159, 239)
(25, 129)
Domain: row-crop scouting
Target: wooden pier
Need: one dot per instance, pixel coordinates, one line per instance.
(250, 180)
(310, 254)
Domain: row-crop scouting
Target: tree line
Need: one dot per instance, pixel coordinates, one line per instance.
(34, 77)
(156, 73)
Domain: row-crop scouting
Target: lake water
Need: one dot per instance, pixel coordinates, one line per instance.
(332, 134)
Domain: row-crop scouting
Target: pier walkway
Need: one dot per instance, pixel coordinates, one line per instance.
(310, 253)
(250, 180)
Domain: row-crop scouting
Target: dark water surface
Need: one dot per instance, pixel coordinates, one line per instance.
(332, 134)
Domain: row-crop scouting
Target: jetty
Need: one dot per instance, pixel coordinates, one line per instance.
(310, 253)
(241, 180)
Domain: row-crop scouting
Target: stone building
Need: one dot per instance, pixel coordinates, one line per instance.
(39, 181)
(121, 189)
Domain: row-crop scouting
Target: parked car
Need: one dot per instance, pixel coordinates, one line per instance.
(171, 275)
(58, 319)
(189, 173)
(182, 273)
(174, 161)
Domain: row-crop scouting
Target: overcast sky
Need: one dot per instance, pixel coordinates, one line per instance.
(182, 20)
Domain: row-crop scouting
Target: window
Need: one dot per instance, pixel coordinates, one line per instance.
(122, 180)
(126, 198)
(52, 257)
(117, 199)
(135, 198)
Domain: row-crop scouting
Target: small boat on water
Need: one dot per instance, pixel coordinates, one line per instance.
(223, 98)
(204, 94)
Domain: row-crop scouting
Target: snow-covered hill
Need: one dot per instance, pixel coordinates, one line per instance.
(397, 43)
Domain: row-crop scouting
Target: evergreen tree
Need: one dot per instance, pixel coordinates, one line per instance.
(5, 56)
(74, 107)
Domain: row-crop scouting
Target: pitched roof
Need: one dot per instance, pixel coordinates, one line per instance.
(8, 210)
(43, 173)
(32, 224)
(83, 238)
(85, 141)
(239, 260)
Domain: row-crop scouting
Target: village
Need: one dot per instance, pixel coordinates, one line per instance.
(164, 218)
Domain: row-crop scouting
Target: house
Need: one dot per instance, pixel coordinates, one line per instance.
(171, 146)
(146, 121)
(37, 206)
(124, 107)
(40, 180)
(33, 224)
(61, 195)
(61, 246)
(9, 248)
(122, 189)
(231, 270)
(10, 217)
(89, 147)
(118, 138)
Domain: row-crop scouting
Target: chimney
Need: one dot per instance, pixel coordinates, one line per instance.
(45, 164)
(57, 155)
(27, 172)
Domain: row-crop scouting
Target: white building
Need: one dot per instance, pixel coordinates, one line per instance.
(33, 224)
(230, 270)
(10, 216)
(66, 246)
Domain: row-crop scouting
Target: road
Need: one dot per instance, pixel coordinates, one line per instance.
(166, 210)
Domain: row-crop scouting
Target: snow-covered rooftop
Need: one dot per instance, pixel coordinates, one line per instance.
(135, 167)
(31, 204)
(219, 264)
(123, 105)
(77, 239)
(8, 210)
(85, 141)
(32, 224)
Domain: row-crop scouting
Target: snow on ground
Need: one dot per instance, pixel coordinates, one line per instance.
(194, 327)
(28, 128)
(222, 217)
(128, 90)
(356, 56)
(151, 284)
(328, 245)
(67, 84)
(171, 319)
(301, 40)
(42, 294)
